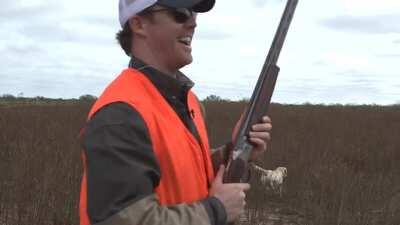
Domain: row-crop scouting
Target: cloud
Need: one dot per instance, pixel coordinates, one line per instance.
(22, 50)
(47, 32)
(56, 43)
(347, 86)
(261, 3)
(320, 62)
(389, 55)
(378, 24)
(211, 34)
(343, 60)
(357, 76)
(15, 11)
(102, 21)
(43, 21)
(370, 6)
(45, 85)
(68, 32)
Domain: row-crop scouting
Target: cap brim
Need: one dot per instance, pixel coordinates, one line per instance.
(195, 5)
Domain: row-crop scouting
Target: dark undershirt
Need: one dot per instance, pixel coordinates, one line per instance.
(118, 141)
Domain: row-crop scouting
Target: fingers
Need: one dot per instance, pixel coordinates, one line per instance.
(261, 133)
(260, 144)
(220, 174)
(239, 186)
(266, 119)
(245, 186)
(242, 197)
(242, 186)
(238, 189)
(265, 135)
(262, 127)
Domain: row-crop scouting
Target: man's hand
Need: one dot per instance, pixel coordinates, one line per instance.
(259, 136)
(231, 195)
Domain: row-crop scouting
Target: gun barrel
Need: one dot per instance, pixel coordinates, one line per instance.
(271, 59)
(262, 94)
(281, 33)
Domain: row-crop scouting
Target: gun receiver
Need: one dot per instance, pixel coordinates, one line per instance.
(237, 165)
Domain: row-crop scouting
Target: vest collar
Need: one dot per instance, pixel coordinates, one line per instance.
(168, 86)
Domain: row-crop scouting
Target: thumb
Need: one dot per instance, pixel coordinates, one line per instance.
(220, 174)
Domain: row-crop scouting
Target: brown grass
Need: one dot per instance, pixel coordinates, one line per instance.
(343, 162)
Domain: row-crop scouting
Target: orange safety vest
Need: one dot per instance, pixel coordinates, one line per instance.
(186, 167)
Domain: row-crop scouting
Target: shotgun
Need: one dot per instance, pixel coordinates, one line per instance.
(237, 165)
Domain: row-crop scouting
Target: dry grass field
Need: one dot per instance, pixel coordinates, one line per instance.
(343, 163)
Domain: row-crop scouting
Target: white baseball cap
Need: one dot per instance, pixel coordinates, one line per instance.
(129, 8)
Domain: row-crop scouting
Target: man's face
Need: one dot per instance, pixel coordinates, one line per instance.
(170, 39)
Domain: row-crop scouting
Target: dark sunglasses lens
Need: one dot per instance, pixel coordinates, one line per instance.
(182, 15)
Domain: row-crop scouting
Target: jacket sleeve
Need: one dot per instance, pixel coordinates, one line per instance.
(122, 173)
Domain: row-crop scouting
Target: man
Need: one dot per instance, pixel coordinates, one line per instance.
(146, 155)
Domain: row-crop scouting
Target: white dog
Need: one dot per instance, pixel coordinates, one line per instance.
(272, 178)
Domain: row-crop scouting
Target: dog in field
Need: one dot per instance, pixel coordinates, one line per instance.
(273, 179)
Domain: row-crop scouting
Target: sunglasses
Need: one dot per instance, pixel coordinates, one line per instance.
(180, 15)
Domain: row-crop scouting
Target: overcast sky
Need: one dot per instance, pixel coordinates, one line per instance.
(336, 51)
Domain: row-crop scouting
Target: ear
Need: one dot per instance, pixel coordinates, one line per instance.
(138, 25)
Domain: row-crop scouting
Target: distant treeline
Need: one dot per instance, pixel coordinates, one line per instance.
(7, 99)
(86, 97)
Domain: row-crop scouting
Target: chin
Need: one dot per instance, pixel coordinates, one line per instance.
(189, 60)
(185, 61)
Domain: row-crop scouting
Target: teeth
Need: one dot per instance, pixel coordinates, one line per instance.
(186, 40)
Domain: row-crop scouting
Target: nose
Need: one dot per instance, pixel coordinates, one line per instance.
(192, 21)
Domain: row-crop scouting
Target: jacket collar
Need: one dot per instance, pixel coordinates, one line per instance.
(168, 86)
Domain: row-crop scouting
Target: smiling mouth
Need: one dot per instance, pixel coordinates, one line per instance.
(185, 40)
